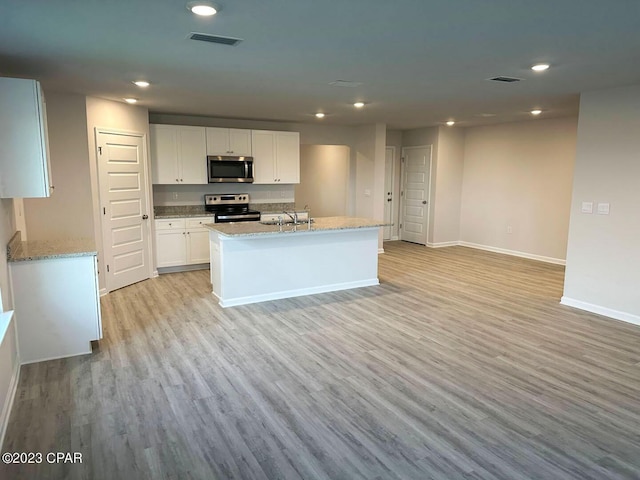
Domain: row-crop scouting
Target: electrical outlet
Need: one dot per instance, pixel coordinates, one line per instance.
(509, 229)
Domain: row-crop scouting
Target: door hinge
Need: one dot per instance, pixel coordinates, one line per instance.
(107, 268)
(400, 225)
(99, 150)
(402, 159)
(402, 194)
(104, 211)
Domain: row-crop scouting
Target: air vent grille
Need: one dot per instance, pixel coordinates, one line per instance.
(345, 83)
(505, 79)
(204, 37)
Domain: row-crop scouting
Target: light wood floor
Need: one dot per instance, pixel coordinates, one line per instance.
(460, 365)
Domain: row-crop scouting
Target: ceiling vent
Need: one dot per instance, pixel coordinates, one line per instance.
(204, 37)
(504, 79)
(345, 83)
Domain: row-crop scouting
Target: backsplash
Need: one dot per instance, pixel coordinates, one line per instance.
(166, 211)
(170, 195)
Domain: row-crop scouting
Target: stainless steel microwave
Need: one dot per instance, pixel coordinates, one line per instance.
(227, 169)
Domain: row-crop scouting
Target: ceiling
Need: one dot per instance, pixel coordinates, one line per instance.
(421, 62)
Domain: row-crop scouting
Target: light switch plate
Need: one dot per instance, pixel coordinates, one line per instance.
(587, 207)
(603, 209)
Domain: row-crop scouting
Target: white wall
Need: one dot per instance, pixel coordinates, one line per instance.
(603, 254)
(519, 175)
(394, 139)
(68, 212)
(324, 179)
(103, 113)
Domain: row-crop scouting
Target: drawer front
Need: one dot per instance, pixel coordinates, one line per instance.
(171, 224)
(198, 222)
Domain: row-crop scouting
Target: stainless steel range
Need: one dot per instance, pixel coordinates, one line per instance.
(231, 207)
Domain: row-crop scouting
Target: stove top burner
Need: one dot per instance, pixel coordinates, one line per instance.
(230, 207)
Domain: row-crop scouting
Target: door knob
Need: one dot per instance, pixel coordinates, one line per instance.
(144, 217)
(424, 202)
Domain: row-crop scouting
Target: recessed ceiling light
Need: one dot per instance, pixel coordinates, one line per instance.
(131, 100)
(358, 104)
(319, 115)
(451, 123)
(141, 83)
(540, 67)
(536, 112)
(204, 9)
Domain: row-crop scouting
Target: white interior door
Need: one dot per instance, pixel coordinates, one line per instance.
(124, 205)
(416, 179)
(387, 232)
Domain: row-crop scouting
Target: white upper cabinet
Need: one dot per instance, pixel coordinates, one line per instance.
(276, 157)
(24, 152)
(228, 141)
(178, 154)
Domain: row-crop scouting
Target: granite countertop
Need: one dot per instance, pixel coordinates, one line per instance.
(19, 251)
(180, 211)
(256, 229)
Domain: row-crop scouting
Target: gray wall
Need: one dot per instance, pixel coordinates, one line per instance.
(519, 175)
(603, 255)
(449, 164)
(324, 179)
(67, 213)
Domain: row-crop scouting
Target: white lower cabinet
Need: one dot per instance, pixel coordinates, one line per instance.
(182, 241)
(57, 307)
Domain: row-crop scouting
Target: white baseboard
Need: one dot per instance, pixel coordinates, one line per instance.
(233, 302)
(154, 274)
(8, 404)
(514, 253)
(103, 292)
(183, 268)
(380, 251)
(442, 244)
(600, 310)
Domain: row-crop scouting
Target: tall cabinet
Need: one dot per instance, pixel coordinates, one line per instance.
(24, 151)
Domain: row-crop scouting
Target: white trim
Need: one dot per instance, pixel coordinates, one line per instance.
(394, 238)
(232, 302)
(380, 251)
(97, 201)
(8, 405)
(60, 356)
(515, 253)
(442, 244)
(7, 319)
(600, 310)
(182, 268)
(403, 188)
(155, 273)
(103, 292)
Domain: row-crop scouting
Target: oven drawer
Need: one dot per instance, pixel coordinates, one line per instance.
(171, 224)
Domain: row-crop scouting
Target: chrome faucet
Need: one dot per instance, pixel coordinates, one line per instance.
(293, 217)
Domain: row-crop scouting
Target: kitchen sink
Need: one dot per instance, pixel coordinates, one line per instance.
(288, 222)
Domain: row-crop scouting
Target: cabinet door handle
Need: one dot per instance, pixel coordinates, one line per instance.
(144, 217)
(177, 180)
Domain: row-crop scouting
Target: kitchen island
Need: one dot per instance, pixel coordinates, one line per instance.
(252, 262)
